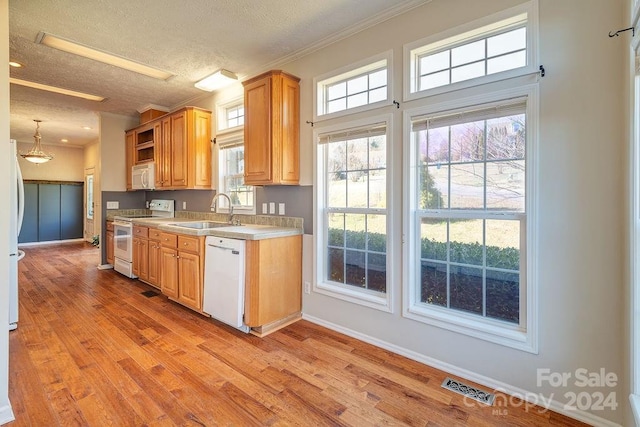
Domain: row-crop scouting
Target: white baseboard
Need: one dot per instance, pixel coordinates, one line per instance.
(6, 414)
(49, 242)
(533, 398)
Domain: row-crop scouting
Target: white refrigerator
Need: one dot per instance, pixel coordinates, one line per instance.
(17, 213)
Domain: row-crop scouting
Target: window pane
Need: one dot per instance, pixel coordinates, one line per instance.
(507, 42)
(503, 296)
(466, 289)
(503, 244)
(357, 85)
(506, 137)
(338, 90)
(467, 72)
(467, 142)
(433, 289)
(357, 151)
(335, 229)
(337, 105)
(434, 80)
(355, 236)
(377, 272)
(378, 95)
(434, 190)
(433, 239)
(467, 53)
(355, 268)
(505, 185)
(466, 241)
(377, 233)
(357, 100)
(335, 267)
(507, 62)
(467, 186)
(336, 169)
(435, 62)
(438, 149)
(378, 79)
(378, 189)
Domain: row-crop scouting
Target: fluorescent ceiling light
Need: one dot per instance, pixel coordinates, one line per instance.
(217, 80)
(15, 64)
(56, 89)
(96, 55)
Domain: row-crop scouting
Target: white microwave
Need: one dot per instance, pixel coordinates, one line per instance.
(143, 177)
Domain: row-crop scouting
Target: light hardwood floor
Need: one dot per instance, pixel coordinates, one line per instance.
(90, 349)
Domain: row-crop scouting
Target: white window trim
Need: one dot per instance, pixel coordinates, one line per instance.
(409, 58)
(514, 336)
(231, 137)
(344, 72)
(221, 116)
(345, 293)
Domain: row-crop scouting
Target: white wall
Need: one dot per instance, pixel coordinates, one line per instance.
(66, 165)
(581, 198)
(6, 414)
(112, 151)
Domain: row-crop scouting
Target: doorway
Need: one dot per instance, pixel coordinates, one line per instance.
(89, 204)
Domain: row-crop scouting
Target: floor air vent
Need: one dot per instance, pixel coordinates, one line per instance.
(468, 391)
(150, 294)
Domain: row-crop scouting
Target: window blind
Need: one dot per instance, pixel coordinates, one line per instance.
(368, 131)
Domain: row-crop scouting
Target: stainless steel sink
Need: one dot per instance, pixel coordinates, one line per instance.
(200, 225)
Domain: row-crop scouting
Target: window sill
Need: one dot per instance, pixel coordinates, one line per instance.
(361, 297)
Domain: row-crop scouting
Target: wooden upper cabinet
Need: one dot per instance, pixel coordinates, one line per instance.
(272, 129)
(129, 141)
(181, 149)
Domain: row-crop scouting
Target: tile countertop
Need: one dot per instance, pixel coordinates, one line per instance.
(242, 232)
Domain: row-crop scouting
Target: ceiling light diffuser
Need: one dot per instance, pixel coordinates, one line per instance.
(15, 64)
(36, 155)
(97, 55)
(217, 80)
(56, 89)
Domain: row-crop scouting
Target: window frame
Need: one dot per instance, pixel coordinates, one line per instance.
(466, 33)
(367, 298)
(347, 72)
(229, 136)
(525, 335)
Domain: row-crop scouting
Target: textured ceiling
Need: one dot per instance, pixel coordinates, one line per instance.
(190, 39)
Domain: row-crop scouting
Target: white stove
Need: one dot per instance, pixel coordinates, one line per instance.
(123, 234)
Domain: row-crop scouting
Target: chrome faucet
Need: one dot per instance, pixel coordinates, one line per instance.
(215, 200)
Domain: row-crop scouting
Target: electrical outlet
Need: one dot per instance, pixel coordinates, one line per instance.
(272, 208)
(264, 208)
(113, 205)
(280, 208)
(184, 206)
(307, 287)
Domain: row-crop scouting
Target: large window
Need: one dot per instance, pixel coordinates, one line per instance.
(231, 160)
(469, 212)
(358, 87)
(352, 214)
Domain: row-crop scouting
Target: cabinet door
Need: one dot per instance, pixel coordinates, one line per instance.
(135, 256)
(169, 272)
(200, 149)
(179, 149)
(288, 147)
(159, 153)
(189, 278)
(71, 211)
(29, 230)
(129, 143)
(154, 263)
(143, 256)
(257, 132)
(49, 212)
(109, 246)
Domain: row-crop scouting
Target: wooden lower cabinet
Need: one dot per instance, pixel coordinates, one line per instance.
(273, 283)
(108, 237)
(155, 260)
(182, 269)
(140, 261)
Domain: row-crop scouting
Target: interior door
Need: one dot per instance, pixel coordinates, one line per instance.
(88, 204)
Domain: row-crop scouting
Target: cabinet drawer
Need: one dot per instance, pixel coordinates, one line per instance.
(169, 240)
(109, 225)
(154, 234)
(139, 231)
(187, 243)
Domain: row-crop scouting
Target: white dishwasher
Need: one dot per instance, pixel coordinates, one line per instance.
(223, 297)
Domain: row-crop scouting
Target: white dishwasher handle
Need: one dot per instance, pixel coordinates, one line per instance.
(233, 251)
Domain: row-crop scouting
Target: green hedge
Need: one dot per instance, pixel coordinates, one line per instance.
(467, 253)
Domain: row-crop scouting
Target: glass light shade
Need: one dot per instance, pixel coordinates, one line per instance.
(217, 80)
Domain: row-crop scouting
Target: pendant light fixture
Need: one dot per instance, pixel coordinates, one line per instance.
(36, 155)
